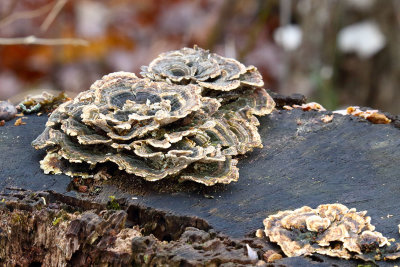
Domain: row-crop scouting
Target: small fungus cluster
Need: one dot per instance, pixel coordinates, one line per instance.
(45, 102)
(190, 115)
(330, 229)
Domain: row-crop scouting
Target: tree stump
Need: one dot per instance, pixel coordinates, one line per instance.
(304, 161)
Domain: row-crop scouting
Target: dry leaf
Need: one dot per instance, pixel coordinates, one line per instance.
(310, 106)
(371, 115)
(378, 118)
(19, 122)
(327, 118)
(271, 256)
(286, 107)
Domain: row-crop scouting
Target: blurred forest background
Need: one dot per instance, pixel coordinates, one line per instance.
(336, 52)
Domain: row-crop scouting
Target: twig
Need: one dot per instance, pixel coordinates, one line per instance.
(9, 10)
(33, 40)
(396, 5)
(284, 19)
(264, 11)
(25, 15)
(224, 14)
(53, 14)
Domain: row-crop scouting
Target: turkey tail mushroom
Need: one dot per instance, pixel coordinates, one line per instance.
(191, 114)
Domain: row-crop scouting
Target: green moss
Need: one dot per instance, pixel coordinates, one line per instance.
(56, 221)
(16, 218)
(61, 216)
(146, 258)
(113, 204)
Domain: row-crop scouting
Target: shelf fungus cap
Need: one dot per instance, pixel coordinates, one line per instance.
(183, 65)
(330, 229)
(208, 70)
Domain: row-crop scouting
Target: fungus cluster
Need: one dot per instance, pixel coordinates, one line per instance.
(330, 229)
(190, 115)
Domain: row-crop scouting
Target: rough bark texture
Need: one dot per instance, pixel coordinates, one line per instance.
(37, 230)
(304, 162)
(48, 229)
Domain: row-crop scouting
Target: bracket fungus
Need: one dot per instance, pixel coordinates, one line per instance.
(189, 117)
(330, 229)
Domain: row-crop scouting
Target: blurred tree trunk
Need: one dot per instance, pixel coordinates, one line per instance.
(331, 76)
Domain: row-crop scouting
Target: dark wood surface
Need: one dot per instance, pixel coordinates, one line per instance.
(304, 162)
